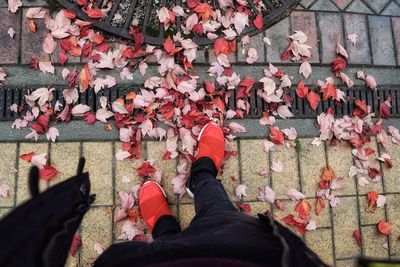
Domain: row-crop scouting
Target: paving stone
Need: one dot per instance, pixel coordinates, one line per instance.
(186, 214)
(324, 5)
(373, 242)
(340, 160)
(391, 176)
(305, 21)
(358, 6)
(330, 26)
(155, 151)
(312, 160)
(369, 217)
(9, 46)
(32, 42)
(253, 160)
(24, 168)
(4, 212)
(201, 56)
(259, 207)
(392, 9)
(393, 211)
(377, 6)
(99, 157)
(381, 40)
(289, 177)
(96, 227)
(307, 3)
(345, 221)
(372, 186)
(341, 3)
(33, 3)
(8, 154)
(314, 239)
(231, 169)
(212, 57)
(64, 157)
(256, 43)
(280, 214)
(278, 34)
(396, 33)
(324, 218)
(360, 52)
(345, 263)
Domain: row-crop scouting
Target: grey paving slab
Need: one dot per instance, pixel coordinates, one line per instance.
(381, 40)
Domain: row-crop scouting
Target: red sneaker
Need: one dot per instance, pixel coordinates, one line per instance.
(212, 143)
(153, 203)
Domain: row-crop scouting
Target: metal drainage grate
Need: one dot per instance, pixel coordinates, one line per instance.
(300, 107)
(145, 12)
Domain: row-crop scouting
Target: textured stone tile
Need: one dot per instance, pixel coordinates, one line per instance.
(201, 55)
(345, 221)
(231, 172)
(373, 186)
(279, 42)
(324, 5)
(340, 161)
(65, 158)
(257, 43)
(259, 207)
(393, 204)
(8, 154)
(314, 239)
(369, 217)
(324, 218)
(32, 42)
(345, 263)
(330, 26)
(358, 53)
(155, 151)
(307, 3)
(99, 157)
(96, 227)
(373, 242)
(341, 3)
(253, 160)
(33, 3)
(312, 160)
(381, 40)
(126, 168)
(305, 21)
(392, 9)
(390, 176)
(186, 214)
(377, 6)
(358, 6)
(4, 212)
(396, 33)
(24, 168)
(9, 46)
(289, 177)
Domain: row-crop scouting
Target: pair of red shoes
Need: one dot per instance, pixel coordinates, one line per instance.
(152, 198)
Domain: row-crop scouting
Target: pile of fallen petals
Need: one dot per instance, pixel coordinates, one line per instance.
(184, 103)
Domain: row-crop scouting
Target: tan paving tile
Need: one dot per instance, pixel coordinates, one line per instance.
(289, 177)
(4, 212)
(8, 154)
(186, 214)
(126, 168)
(393, 204)
(372, 163)
(65, 158)
(312, 160)
(231, 169)
(253, 160)
(279, 214)
(96, 227)
(99, 157)
(72, 261)
(259, 207)
(24, 167)
(345, 263)
(391, 176)
(155, 151)
(373, 242)
(324, 218)
(340, 160)
(314, 239)
(345, 221)
(369, 217)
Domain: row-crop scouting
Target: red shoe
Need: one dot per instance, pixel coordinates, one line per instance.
(153, 203)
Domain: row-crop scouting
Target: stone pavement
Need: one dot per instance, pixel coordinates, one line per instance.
(332, 240)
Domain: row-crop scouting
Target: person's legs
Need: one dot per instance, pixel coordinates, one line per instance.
(165, 226)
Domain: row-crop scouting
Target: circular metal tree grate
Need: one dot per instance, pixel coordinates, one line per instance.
(123, 12)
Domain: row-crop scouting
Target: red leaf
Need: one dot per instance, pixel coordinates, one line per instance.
(169, 45)
(192, 3)
(276, 136)
(76, 243)
(221, 46)
(338, 65)
(62, 58)
(384, 108)
(303, 209)
(320, 205)
(47, 173)
(244, 207)
(301, 90)
(280, 205)
(328, 174)
(357, 236)
(384, 227)
(95, 13)
(27, 156)
(372, 197)
(328, 91)
(145, 169)
(258, 21)
(313, 99)
(90, 117)
(82, 2)
(69, 14)
(362, 108)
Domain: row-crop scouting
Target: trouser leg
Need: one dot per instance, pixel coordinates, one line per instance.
(167, 225)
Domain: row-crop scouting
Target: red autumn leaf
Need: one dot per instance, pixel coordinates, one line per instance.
(95, 13)
(192, 3)
(303, 209)
(361, 108)
(328, 174)
(169, 45)
(32, 25)
(90, 117)
(76, 243)
(328, 91)
(258, 21)
(221, 46)
(82, 2)
(338, 65)
(301, 90)
(62, 58)
(313, 99)
(279, 204)
(167, 155)
(385, 108)
(204, 10)
(244, 207)
(276, 136)
(372, 197)
(384, 227)
(146, 169)
(357, 236)
(69, 14)
(289, 220)
(28, 156)
(373, 172)
(133, 214)
(320, 205)
(47, 173)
